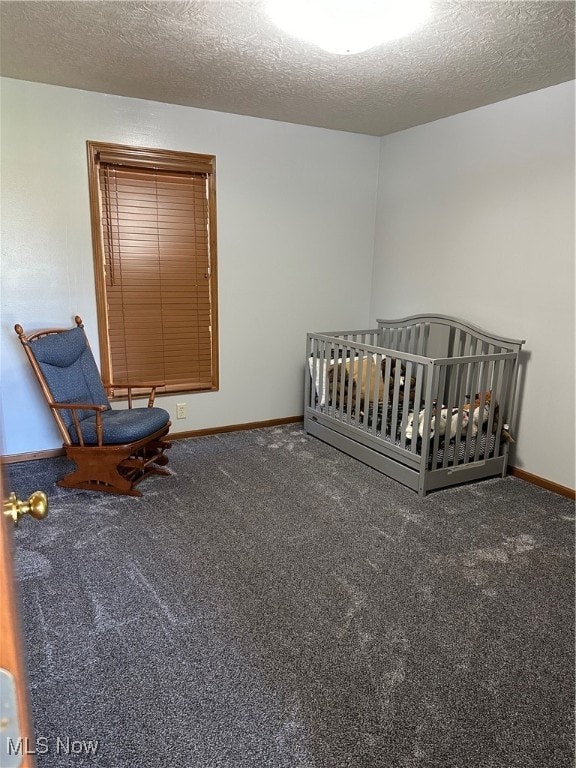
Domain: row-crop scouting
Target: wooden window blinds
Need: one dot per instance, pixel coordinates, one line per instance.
(153, 214)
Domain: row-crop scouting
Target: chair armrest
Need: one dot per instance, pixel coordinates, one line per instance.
(83, 407)
(152, 386)
(79, 406)
(139, 385)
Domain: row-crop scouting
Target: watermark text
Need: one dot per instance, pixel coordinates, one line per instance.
(61, 745)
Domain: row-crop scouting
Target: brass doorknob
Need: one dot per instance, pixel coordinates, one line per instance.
(36, 506)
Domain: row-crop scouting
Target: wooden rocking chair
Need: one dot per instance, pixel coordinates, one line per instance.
(112, 449)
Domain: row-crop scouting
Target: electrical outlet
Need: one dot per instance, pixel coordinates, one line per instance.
(180, 410)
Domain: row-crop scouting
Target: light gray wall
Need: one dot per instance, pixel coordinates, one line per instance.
(296, 212)
(476, 219)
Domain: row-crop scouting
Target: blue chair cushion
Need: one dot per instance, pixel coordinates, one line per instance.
(122, 426)
(70, 370)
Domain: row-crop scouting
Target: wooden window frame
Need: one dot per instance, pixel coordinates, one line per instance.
(152, 159)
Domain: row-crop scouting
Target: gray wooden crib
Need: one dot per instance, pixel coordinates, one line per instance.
(428, 399)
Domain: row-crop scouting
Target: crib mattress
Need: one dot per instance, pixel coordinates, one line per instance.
(457, 449)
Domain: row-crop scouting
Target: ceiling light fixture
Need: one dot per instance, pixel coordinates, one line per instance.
(348, 26)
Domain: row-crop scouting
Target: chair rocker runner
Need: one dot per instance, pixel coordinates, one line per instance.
(113, 449)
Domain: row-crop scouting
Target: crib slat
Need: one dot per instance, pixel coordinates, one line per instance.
(405, 406)
(318, 372)
(352, 389)
(378, 391)
(491, 424)
(430, 390)
(508, 395)
(386, 394)
(363, 372)
(461, 430)
(471, 389)
(416, 406)
(309, 374)
(395, 398)
(418, 331)
(413, 338)
(439, 402)
(467, 344)
(339, 383)
(455, 343)
(482, 427)
(461, 343)
(322, 374)
(321, 367)
(450, 399)
(451, 342)
(499, 388)
(356, 377)
(426, 338)
(408, 339)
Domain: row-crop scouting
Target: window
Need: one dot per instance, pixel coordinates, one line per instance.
(154, 235)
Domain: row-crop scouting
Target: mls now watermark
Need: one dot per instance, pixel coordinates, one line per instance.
(42, 745)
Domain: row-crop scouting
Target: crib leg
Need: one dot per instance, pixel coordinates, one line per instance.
(421, 486)
(505, 464)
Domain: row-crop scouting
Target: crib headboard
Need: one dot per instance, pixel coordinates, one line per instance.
(438, 336)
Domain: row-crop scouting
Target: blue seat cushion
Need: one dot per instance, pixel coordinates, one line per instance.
(70, 371)
(122, 426)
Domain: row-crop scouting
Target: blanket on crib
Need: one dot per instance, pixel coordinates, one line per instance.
(361, 380)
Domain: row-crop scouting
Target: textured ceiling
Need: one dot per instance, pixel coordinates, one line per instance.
(227, 56)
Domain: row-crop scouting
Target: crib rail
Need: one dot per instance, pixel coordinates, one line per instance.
(476, 393)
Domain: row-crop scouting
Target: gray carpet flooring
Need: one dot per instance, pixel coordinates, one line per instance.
(276, 604)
